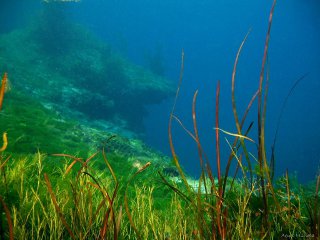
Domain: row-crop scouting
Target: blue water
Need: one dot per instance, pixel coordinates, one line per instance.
(210, 33)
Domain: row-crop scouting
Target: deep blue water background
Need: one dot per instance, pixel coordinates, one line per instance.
(210, 32)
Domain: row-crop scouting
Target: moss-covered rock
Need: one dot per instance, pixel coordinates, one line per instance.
(59, 62)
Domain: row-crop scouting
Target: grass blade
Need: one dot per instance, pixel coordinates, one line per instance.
(4, 163)
(261, 120)
(272, 159)
(173, 152)
(58, 210)
(126, 198)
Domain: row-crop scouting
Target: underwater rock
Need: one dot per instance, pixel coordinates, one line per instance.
(59, 62)
(34, 127)
(72, 94)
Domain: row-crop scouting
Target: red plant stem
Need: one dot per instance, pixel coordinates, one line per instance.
(316, 216)
(194, 118)
(266, 46)
(7, 212)
(217, 134)
(58, 210)
(3, 88)
(260, 127)
(261, 116)
(174, 106)
(219, 199)
(234, 108)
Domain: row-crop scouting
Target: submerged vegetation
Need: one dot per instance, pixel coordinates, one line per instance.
(113, 188)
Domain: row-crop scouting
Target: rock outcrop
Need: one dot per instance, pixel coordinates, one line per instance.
(65, 65)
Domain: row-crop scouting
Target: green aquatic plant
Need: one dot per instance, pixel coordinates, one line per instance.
(77, 200)
(126, 198)
(4, 206)
(30, 124)
(84, 188)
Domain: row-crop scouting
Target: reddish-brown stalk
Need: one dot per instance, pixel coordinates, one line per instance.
(234, 109)
(316, 211)
(55, 203)
(195, 128)
(7, 212)
(217, 134)
(3, 88)
(261, 116)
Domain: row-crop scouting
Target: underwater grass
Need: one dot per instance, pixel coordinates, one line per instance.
(55, 205)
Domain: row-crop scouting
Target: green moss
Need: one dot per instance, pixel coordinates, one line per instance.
(32, 127)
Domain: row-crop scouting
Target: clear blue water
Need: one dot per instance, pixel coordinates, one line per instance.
(210, 32)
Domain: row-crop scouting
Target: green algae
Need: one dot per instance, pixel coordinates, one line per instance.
(32, 127)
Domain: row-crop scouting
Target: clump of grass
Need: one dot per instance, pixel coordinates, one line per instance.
(82, 202)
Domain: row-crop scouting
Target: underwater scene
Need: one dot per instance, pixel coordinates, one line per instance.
(163, 119)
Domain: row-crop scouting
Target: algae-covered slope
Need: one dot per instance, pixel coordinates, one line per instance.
(70, 93)
(32, 127)
(62, 63)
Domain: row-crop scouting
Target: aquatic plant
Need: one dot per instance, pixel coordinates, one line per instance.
(2, 165)
(3, 88)
(221, 210)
